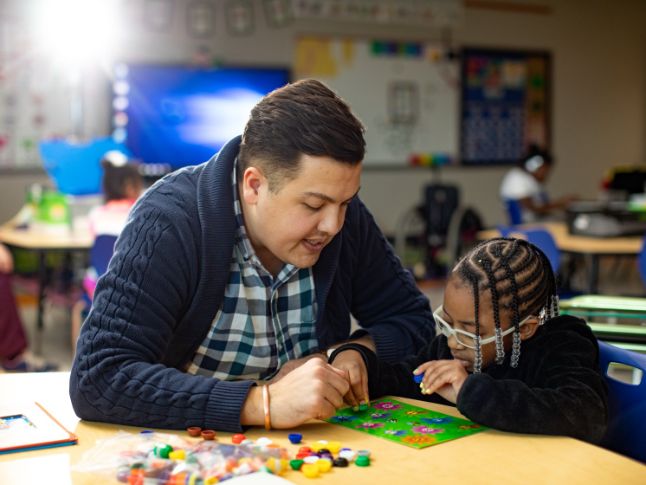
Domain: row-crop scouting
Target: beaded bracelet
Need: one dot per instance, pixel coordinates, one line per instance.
(265, 406)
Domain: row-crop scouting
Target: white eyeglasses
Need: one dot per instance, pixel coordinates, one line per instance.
(464, 338)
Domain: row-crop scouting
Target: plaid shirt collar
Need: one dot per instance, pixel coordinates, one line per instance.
(258, 311)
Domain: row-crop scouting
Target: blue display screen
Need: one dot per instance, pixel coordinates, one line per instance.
(183, 115)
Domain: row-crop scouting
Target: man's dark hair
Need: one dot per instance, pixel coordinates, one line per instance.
(305, 117)
(518, 277)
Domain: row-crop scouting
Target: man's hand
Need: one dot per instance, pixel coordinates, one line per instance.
(351, 362)
(313, 390)
(293, 364)
(444, 377)
(6, 261)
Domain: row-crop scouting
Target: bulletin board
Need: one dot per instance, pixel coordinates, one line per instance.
(405, 93)
(505, 104)
(34, 93)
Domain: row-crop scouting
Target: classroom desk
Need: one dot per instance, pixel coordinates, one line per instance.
(592, 248)
(42, 243)
(487, 457)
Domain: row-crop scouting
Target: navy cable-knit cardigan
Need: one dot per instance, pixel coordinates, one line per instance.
(165, 283)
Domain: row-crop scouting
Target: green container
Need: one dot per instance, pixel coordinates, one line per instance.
(53, 209)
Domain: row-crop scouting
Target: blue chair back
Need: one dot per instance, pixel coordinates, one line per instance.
(504, 230)
(101, 253)
(545, 242)
(641, 261)
(514, 211)
(626, 433)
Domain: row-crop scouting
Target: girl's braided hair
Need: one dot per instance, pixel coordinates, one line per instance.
(518, 277)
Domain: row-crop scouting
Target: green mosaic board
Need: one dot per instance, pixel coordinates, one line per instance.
(405, 424)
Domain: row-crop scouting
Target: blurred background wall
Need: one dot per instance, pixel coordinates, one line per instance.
(598, 98)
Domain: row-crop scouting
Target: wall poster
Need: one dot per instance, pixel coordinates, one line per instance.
(505, 104)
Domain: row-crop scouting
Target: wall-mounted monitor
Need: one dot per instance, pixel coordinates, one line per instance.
(182, 115)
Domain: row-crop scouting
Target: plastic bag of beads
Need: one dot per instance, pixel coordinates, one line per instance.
(153, 457)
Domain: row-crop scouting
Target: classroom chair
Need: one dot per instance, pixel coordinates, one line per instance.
(544, 240)
(440, 203)
(641, 262)
(101, 252)
(514, 212)
(626, 431)
(100, 255)
(540, 238)
(462, 233)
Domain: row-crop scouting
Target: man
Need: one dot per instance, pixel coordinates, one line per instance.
(245, 270)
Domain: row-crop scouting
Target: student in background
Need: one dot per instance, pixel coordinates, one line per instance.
(14, 355)
(524, 185)
(121, 185)
(243, 271)
(502, 353)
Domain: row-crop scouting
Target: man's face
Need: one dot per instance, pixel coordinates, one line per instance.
(294, 223)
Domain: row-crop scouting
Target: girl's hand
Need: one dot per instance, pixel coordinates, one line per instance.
(351, 362)
(444, 377)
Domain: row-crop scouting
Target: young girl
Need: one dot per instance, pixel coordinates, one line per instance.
(502, 353)
(121, 184)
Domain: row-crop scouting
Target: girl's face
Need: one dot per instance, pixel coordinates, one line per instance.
(459, 311)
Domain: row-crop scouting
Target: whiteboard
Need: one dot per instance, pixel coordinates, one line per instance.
(404, 94)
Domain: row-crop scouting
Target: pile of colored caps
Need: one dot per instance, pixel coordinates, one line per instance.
(154, 458)
(206, 461)
(320, 458)
(196, 431)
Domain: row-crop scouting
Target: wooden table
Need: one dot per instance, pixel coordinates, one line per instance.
(39, 240)
(42, 243)
(590, 247)
(487, 457)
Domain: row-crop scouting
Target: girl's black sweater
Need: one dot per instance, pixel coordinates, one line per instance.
(556, 389)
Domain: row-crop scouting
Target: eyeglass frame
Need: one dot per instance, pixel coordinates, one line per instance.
(445, 328)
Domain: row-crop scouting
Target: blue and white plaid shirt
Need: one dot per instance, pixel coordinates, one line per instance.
(263, 321)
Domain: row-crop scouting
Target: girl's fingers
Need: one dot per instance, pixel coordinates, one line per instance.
(436, 376)
(441, 380)
(422, 367)
(431, 372)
